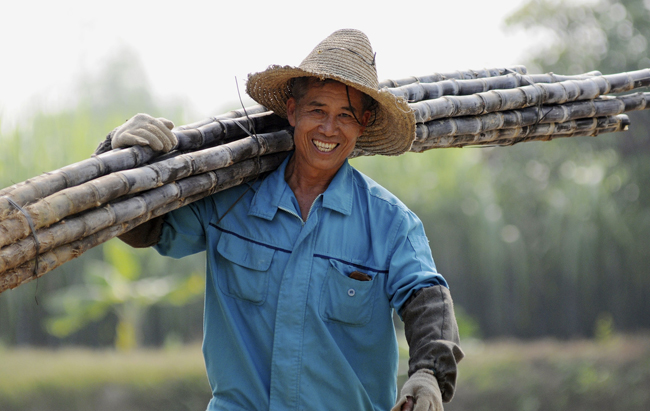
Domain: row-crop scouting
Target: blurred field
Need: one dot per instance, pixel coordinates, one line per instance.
(613, 374)
(83, 379)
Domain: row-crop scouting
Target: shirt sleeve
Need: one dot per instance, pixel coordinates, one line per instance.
(183, 231)
(411, 265)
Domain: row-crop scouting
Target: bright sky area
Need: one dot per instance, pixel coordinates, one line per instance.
(194, 49)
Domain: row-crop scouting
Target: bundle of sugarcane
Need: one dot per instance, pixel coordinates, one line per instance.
(53, 218)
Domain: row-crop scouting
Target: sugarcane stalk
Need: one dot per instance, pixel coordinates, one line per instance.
(504, 142)
(416, 89)
(106, 188)
(207, 134)
(528, 96)
(227, 130)
(452, 87)
(123, 210)
(218, 132)
(601, 106)
(510, 141)
(242, 112)
(70, 173)
(458, 75)
(229, 127)
(587, 126)
(156, 201)
(187, 191)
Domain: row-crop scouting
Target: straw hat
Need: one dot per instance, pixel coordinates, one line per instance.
(346, 56)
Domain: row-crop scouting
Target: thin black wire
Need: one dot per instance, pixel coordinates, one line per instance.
(373, 108)
(37, 244)
(257, 158)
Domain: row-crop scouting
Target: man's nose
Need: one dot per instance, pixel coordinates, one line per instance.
(328, 126)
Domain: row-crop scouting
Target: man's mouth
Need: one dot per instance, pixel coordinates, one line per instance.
(324, 147)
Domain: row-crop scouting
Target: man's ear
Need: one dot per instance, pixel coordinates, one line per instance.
(291, 111)
(364, 121)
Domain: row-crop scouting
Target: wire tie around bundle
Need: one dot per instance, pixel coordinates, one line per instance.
(31, 227)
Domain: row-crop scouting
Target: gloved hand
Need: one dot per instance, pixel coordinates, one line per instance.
(420, 393)
(144, 130)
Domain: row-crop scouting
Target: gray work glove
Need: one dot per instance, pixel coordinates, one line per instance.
(144, 130)
(432, 334)
(420, 393)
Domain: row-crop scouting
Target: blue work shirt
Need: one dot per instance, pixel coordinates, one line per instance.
(285, 327)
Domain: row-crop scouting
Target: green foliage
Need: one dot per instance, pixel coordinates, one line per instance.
(468, 327)
(604, 330)
(48, 139)
(114, 285)
(606, 35)
(605, 214)
(552, 375)
(125, 262)
(540, 238)
(71, 379)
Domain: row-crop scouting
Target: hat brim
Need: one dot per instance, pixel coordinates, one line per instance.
(391, 133)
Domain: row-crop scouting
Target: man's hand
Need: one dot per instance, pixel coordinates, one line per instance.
(420, 393)
(144, 130)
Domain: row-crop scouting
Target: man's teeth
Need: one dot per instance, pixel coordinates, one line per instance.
(324, 146)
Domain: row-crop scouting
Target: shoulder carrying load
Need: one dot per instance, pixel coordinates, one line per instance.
(53, 218)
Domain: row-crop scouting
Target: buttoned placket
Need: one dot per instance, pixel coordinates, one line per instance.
(290, 318)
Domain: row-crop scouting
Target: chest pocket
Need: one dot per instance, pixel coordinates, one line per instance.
(243, 268)
(344, 299)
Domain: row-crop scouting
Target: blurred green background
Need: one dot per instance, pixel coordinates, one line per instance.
(544, 245)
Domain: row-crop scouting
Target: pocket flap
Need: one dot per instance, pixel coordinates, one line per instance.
(245, 253)
(345, 299)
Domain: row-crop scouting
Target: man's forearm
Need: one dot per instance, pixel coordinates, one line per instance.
(432, 334)
(145, 235)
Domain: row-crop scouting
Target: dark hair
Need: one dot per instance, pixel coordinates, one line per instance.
(300, 85)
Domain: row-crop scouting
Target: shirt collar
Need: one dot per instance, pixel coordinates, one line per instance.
(340, 192)
(269, 195)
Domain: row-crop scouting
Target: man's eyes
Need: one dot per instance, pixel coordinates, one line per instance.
(345, 116)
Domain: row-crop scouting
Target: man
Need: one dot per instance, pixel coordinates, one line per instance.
(305, 267)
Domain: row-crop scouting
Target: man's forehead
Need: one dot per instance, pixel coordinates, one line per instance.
(316, 91)
(317, 83)
(315, 102)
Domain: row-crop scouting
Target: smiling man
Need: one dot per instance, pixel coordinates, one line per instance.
(327, 117)
(306, 267)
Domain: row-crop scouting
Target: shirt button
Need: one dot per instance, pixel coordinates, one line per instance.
(351, 292)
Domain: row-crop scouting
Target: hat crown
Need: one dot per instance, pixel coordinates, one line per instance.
(346, 54)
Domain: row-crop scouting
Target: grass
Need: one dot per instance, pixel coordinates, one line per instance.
(506, 375)
(74, 378)
(552, 375)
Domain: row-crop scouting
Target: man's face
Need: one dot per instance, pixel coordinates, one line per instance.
(325, 128)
